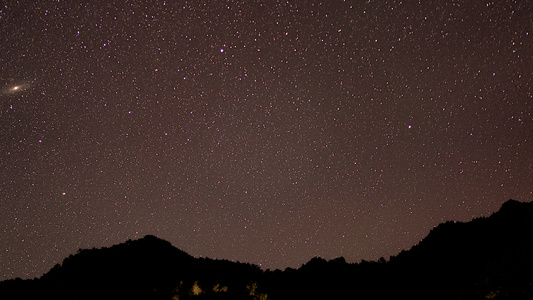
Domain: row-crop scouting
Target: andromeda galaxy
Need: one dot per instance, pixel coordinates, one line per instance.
(15, 88)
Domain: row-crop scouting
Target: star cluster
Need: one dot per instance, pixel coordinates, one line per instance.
(266, 132)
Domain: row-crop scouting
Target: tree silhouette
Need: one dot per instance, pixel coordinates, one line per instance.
(487, 258)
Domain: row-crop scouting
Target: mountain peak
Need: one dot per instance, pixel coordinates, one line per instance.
(515, 206)
(514, 211)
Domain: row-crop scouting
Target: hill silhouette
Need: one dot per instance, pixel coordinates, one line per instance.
(486, 258)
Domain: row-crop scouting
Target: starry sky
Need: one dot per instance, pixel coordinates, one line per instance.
(260, 131)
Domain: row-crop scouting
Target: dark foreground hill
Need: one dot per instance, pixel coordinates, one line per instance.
(487, 258)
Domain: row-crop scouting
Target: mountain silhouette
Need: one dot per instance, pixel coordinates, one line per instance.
(486, 258)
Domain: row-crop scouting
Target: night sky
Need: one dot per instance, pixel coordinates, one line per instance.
(266, 132)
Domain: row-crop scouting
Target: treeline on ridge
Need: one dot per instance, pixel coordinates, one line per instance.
(486, 258)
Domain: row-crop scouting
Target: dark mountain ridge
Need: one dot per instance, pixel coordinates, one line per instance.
(486, 258)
